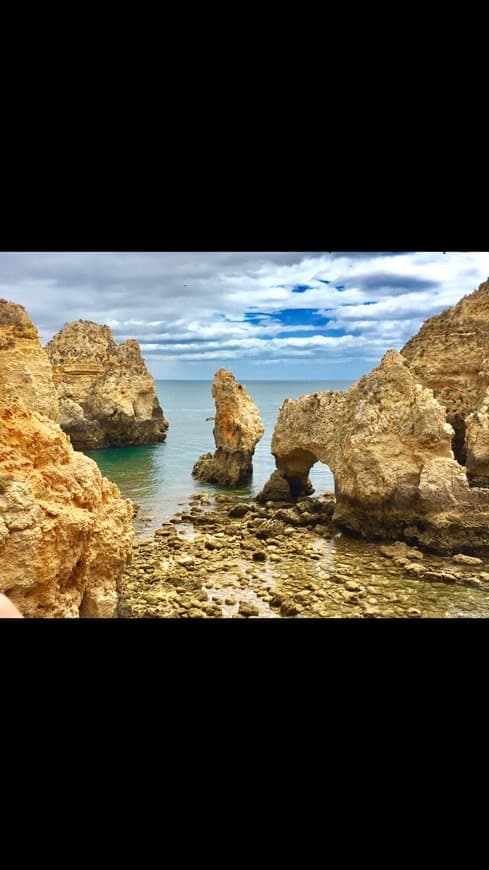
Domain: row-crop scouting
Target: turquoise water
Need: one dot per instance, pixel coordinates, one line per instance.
(159, 477)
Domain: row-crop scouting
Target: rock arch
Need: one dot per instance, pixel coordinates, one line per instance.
(388, 445)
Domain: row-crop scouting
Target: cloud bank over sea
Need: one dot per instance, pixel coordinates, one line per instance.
(264, 315)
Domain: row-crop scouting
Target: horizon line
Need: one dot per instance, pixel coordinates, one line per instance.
(262, 380)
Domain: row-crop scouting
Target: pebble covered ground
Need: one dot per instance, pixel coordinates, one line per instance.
(231, 558)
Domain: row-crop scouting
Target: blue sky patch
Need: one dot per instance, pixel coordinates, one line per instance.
(301, 317)
(300, 288)
(340, 287)
(336, 331)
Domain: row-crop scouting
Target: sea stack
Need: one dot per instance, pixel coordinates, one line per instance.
(106, 395)
(65, 531)
(237, 430)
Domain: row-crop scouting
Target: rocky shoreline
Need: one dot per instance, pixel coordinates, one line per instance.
(233, 558)
(407, 445)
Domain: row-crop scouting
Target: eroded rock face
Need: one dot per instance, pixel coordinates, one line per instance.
(23, 362)
(106, 394)
(65, 532)
(388, 445)
(237, 430)
(477, 444)
(450, 354)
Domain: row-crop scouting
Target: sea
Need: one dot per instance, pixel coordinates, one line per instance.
(159, 479)
(159, 476)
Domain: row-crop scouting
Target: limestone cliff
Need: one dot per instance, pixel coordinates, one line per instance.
(388, 445)
(23, 362)
(450, 354)
(237, 430)
(106, 394)
(477, 444)
(65, 532)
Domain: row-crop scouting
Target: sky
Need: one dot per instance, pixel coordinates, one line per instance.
(263, 315)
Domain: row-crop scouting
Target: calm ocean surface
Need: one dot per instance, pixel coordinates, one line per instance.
(159, 477)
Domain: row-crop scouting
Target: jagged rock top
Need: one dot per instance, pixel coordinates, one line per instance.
(14, 319)
(238, 425)
(65, 532)
(450, 353)
(84, 345)
(467, 320)
(385, 412)
(23, 362)
(81, 341)
(107, 396)
(237, 430)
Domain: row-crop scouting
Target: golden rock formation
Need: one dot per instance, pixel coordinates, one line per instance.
(65, 531)
(106, 394)
(237, 430)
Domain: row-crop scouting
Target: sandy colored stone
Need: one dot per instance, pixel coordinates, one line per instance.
(388, 444)
(477, 444)
(237, 430)
(24, 365)
(450, 354)
(106, 395)
(462, 559)
(65, 532)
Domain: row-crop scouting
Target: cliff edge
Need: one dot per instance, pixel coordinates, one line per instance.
(65, 532)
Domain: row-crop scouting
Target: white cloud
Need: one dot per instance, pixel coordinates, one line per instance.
(189, 308)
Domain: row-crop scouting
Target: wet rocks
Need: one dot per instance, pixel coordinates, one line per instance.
(399, 548)
(240, 510)
(308, 571)
(277, 488)
(247, 609)
(462, 559)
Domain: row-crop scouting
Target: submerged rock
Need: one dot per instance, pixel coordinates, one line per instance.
(237, 430)
(106, 394)
(65, 532)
